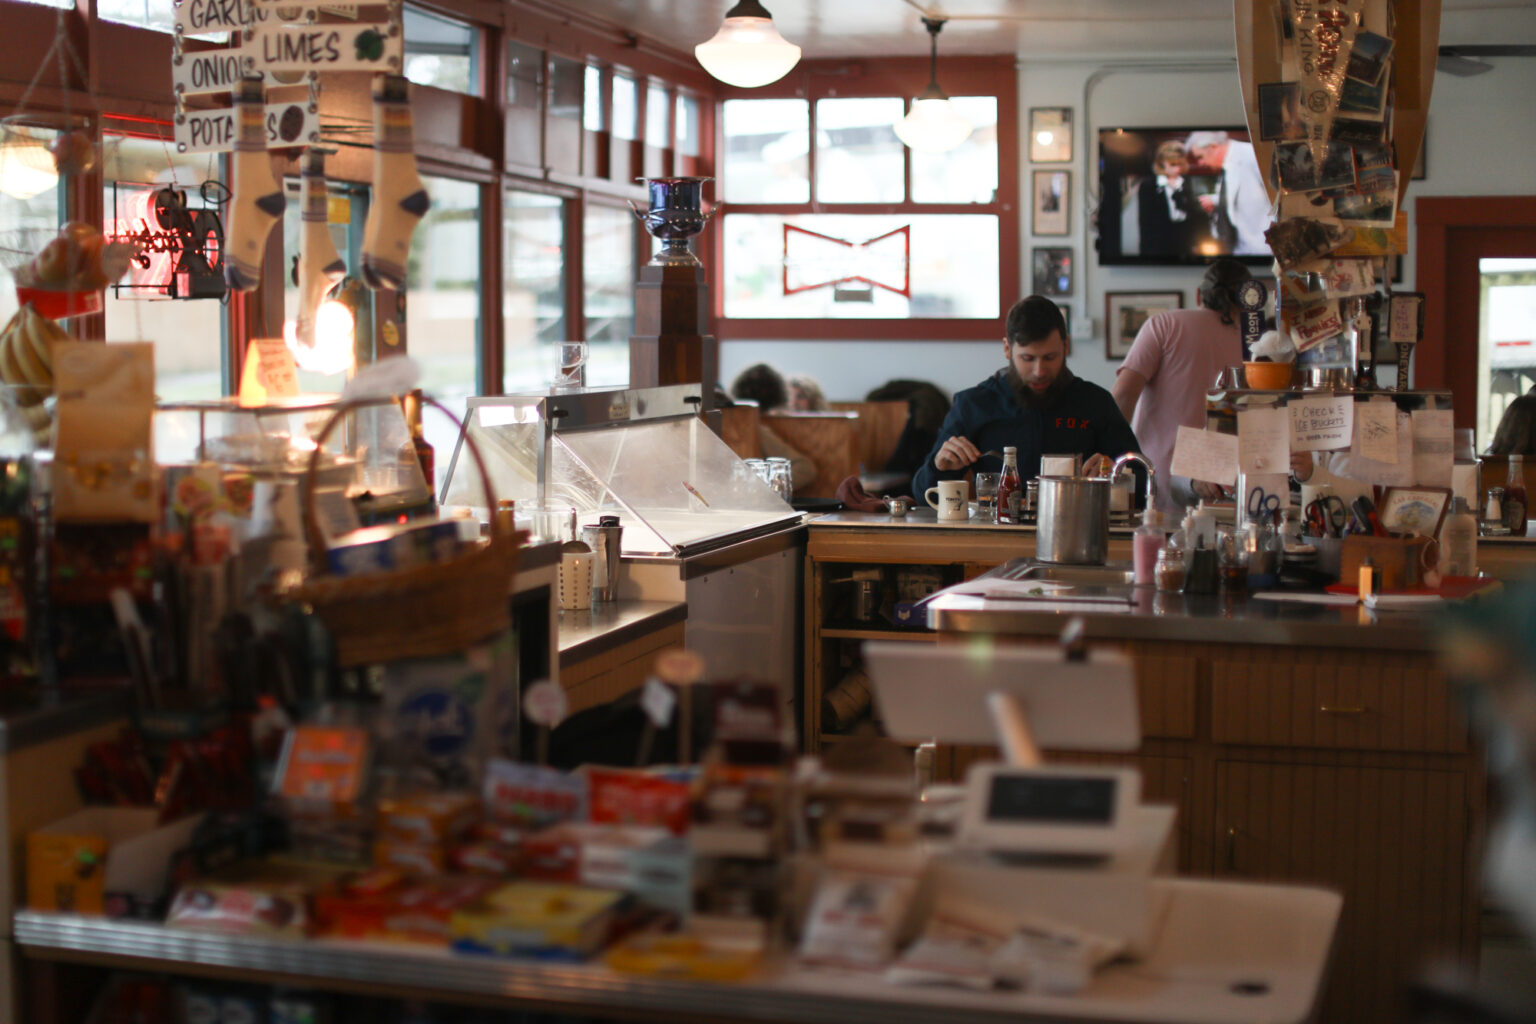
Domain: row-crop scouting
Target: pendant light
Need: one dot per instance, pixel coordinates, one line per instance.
(933, 125)
(747, 51)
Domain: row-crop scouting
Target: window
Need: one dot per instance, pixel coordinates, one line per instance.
(190, 335)
(443, 315)
(533, 288)
(152, 14)
(592, 106)
(525, 76)
(626, 108)
(687, 139)
(29, 205)
(830, 224)
(608, 275)
(441, 52)
(657, 129)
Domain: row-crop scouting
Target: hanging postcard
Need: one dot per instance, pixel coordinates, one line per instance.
(278, 48)
(1325, 38)
(213, 131)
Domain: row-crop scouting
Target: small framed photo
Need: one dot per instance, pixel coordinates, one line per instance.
(1051, 272)
(1052, 191)
(1050, 135)
(1125, 312)
(1416, 510)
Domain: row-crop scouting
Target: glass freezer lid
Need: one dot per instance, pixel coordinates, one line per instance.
(675, 486)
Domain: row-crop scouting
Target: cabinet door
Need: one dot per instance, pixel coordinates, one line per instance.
(1391, 840)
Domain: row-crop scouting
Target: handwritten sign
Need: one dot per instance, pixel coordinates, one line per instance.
(268, 372)
(276, 48)
(1321, 424)
(1405, 318)
(1347, 277)
(1434, 452)
(1376, 431)
(213, 131)
(205, 17)
(207, 71)
(1356, 465)
(1205, 455)
(1263, 441)
(1316, 324)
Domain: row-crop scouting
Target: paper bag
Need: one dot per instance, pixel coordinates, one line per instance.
(104, 454)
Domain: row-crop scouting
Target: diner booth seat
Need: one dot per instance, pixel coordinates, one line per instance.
(830, 439)
(738, 429)
(880, 427)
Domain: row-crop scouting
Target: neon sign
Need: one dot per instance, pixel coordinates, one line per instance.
(176, 249)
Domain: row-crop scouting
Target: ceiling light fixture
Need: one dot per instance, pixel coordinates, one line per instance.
(747, 51)
(26, 166)
(933, 125)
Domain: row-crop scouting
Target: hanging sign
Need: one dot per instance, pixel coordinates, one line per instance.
(213, 131)
(276, 48)
(203, 17)
(176, 248)
(205, 71)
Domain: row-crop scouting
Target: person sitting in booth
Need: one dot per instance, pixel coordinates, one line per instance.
(1034, 403)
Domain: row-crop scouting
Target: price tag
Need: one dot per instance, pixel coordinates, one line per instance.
(658, 701)
(213, 131)
(274, 48)
(545, 704)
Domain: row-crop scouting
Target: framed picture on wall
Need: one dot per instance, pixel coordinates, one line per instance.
(1125, 312)
(1050, 135)
(1052, 191)
(1051, 272)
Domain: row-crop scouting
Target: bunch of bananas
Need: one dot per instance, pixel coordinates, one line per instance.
(26, 361)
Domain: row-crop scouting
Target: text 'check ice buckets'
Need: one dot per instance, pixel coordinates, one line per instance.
(1073, 525)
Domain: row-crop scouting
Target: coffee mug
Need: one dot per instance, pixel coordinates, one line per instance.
(951, 503)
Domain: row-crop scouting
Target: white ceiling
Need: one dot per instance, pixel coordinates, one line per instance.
(1033, 29)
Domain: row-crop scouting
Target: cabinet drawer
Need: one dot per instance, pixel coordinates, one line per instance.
(1354, 701)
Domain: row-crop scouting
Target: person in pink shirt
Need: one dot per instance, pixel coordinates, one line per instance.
(1161, 386)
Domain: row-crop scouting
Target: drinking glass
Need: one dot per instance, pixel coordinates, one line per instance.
(986, 494)
(781, 477)
(571, 371)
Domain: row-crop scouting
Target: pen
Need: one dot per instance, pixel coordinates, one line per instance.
(693, 491)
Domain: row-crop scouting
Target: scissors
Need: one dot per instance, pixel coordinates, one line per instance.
(1326, 516)
(1260, 503)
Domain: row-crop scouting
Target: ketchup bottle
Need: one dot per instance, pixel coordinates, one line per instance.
(1010, 490)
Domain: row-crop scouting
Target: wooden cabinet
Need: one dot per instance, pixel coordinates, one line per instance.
(1383, 836)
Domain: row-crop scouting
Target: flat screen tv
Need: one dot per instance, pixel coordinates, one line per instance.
(1173, 196)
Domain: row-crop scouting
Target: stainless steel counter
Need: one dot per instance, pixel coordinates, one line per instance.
(1220, 618)
(927, 518)
(29, 716)
(606, 626)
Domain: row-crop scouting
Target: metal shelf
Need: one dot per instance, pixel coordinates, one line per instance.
(1217, 939)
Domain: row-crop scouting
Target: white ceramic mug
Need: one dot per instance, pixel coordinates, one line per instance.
(951, 503)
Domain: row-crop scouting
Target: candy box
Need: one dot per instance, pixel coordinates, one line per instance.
(427, 817)
(75, 863)
(649, 863)
(538, 919)
(268, 909)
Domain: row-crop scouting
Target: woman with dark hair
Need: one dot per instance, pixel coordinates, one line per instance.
(1516, 432)
(1176, 355)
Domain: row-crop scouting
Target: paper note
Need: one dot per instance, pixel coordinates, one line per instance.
(1433, 449)
(1263, 441)
(1376, 430)
(1357, 466)
(1205, 455)
(1322, 423)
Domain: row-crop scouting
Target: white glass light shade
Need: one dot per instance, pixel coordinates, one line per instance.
(747, 52)
(26, 167)
(932, 125)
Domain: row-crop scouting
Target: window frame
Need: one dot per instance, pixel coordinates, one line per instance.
(817, 80)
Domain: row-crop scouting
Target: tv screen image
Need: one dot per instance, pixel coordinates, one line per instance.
(1172, 196)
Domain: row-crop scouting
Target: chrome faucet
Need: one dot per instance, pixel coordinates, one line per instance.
(1150, 488)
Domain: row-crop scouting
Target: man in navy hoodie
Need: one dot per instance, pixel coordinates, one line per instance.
(1034, 403)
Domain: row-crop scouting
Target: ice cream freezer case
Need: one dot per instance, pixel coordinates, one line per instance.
(698, 525)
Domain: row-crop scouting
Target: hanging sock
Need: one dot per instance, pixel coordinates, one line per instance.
(399, 200)
(258, 198)
(321, 267)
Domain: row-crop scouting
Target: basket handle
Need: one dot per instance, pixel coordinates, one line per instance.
(312, 533)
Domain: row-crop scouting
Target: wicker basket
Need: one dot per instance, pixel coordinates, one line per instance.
(417, 612)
